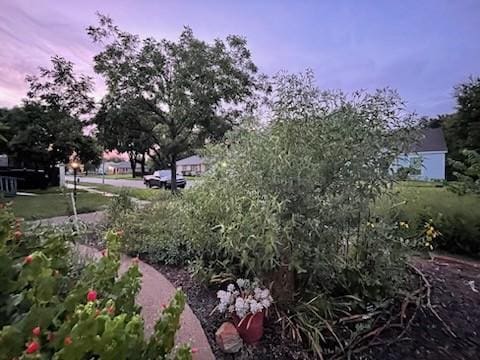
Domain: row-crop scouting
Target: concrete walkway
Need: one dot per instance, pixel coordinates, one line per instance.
(156, 291)
(91, 189)
(88, 218)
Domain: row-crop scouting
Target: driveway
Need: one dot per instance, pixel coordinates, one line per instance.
(117, 182)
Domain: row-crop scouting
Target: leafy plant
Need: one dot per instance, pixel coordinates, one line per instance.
(45, 312)
(155, 232)
(298, 192)
(455, 217)
(467, 173)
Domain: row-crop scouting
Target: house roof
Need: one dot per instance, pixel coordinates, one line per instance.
(432, 139)
(191, 160)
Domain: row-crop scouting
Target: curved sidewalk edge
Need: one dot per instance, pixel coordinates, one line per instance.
(157, 290)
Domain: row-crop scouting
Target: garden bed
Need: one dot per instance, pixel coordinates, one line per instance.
(457, 304)
(452, 297)
(203, 300)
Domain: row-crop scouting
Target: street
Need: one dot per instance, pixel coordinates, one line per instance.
(116, 182)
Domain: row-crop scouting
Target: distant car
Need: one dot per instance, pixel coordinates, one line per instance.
(163, 179)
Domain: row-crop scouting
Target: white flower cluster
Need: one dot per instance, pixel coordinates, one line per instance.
(244, 299)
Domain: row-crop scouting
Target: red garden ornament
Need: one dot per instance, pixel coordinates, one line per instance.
(250, 328)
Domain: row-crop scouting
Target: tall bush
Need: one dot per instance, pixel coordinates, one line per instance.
(288, 202)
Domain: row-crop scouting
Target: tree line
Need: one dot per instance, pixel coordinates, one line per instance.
(164, 99)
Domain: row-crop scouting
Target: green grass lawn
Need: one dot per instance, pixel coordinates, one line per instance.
(52, 202)
(456, 217)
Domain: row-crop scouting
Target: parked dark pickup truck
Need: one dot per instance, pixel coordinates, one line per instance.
(163, 179)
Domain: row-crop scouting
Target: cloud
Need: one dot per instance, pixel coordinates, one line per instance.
(28, 43)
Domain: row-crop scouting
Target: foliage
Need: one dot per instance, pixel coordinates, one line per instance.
(403, 173)
(187, 91)
(155, 232)
(45, 312)
(48, 129)
(467, 173)
(116, 130)
(456, 218)
(298, 191)
(462, 128)
(120, 206)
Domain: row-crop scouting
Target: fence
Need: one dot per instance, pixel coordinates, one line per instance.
(8, 185)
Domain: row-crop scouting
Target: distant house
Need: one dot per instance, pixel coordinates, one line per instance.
(192, 165)
(116, 168)
(427, 158)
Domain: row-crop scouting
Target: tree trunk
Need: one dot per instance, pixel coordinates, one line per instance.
(173, 167)
(142, 164)
(133, 162)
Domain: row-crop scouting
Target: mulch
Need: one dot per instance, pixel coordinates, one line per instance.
(202, 301)
(455, 296)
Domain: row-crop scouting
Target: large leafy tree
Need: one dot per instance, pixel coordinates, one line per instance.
(189, 90)
(115, 132)
(48, 128)
(462, 128)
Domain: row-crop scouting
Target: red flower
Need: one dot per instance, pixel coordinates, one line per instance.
(28, 259)
(92, 295)
(18, 234)
(36, 331)
(68, 341)
(33, 347)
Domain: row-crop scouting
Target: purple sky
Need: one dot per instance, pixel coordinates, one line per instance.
(421, 48)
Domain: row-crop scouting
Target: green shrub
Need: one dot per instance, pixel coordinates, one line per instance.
(457, 218)
(45, 312)
(467, 173)
(288, 203)
(120, 206)
(155, 232)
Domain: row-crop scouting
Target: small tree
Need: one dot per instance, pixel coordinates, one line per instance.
(48, 128)
(467, 173)
(190, 90)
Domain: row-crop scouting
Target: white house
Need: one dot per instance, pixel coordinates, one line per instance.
(192, 165)
(427, 158)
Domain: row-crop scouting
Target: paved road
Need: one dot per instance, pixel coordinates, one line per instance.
(117, 182)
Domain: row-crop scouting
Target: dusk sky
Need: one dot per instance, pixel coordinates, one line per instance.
(421, 48)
